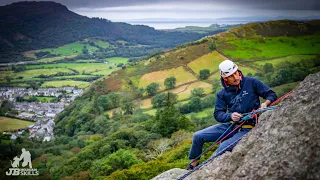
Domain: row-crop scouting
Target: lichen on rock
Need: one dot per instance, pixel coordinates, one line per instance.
(284, 145)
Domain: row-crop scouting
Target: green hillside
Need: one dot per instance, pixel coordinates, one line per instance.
(30, 26)
(114, 130)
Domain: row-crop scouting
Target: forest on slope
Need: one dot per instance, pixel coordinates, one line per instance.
(29, 26)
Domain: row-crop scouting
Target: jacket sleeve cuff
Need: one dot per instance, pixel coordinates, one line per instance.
(271, 99)
(228, 118)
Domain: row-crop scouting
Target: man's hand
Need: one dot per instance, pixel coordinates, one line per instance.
(263, 105)
(236, 116)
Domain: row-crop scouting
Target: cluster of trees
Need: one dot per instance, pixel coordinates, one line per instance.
(153, 88)
(287, 72)
(7, 107)
(42, 54)
(53, 75)
(18, 68)
(196, 104)
(161, 100)
(204, 74)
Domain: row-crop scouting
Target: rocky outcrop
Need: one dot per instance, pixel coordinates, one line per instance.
(284, 145)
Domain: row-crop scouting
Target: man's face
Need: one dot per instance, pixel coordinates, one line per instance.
(233, 79)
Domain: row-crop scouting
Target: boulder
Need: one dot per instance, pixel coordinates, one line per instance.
(284, 145)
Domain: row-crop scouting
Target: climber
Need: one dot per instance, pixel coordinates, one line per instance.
(239, 95)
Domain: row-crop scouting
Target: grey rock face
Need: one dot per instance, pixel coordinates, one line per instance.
(171, 174)
(284, 145)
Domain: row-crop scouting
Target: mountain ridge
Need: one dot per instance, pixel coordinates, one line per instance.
(36, 25)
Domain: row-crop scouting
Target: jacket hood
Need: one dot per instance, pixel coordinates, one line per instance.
(230, 88)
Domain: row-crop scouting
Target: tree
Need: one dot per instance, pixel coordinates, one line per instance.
(204, 74)
(109, 101)
(163, 99)
(169, 120)
(127, 104)
(152, 88)
(195, 104)
(197, 92)
(122, 159)
(140, 92)
(268, 67)
(158, 147)
(84, 50)
(212, 45)
(6, 106)
(170, 82)
(34, 85)
(8, 79)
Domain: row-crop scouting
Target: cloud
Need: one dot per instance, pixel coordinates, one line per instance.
(246, 4)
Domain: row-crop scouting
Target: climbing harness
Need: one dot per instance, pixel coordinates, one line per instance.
(244, 119)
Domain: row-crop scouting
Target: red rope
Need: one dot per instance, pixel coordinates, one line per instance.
(281, 98)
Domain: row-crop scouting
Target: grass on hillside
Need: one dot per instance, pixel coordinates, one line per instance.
(183, 92)
(179, 73)
(275, 62)
(12, 124)
(151, 112)
(204, 113)
(209, 61)
(117, 60)
(244, 69)
(30, 54)
(102, 44)
(283, 89)
(53, 59)
(45, 99)
(37, 72)
(86, 61)
(79, 84)
(80, 67)
(270, 47)
(104, 72)
(69, 49)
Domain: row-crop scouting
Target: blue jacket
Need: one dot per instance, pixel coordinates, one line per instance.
(241, 100)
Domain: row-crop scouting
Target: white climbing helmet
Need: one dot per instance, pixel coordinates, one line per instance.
(227, 68)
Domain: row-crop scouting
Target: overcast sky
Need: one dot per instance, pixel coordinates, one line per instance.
(126, 10)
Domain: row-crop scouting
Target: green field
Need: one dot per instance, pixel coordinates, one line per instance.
(3, 74)
(86, 61)
(277, 61)
(244, 69)
(105, 72)
(102, 44)
(151, 112)
(79, 84)
(12, 124)
(75, 76)
(209, 61)
(53, 59)
(69, 49)
(182, 76)
(80, 67)
(204, 113)
(270, 47)
(283, 89)
(37, 72)
(117, 60)
(41, 99)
